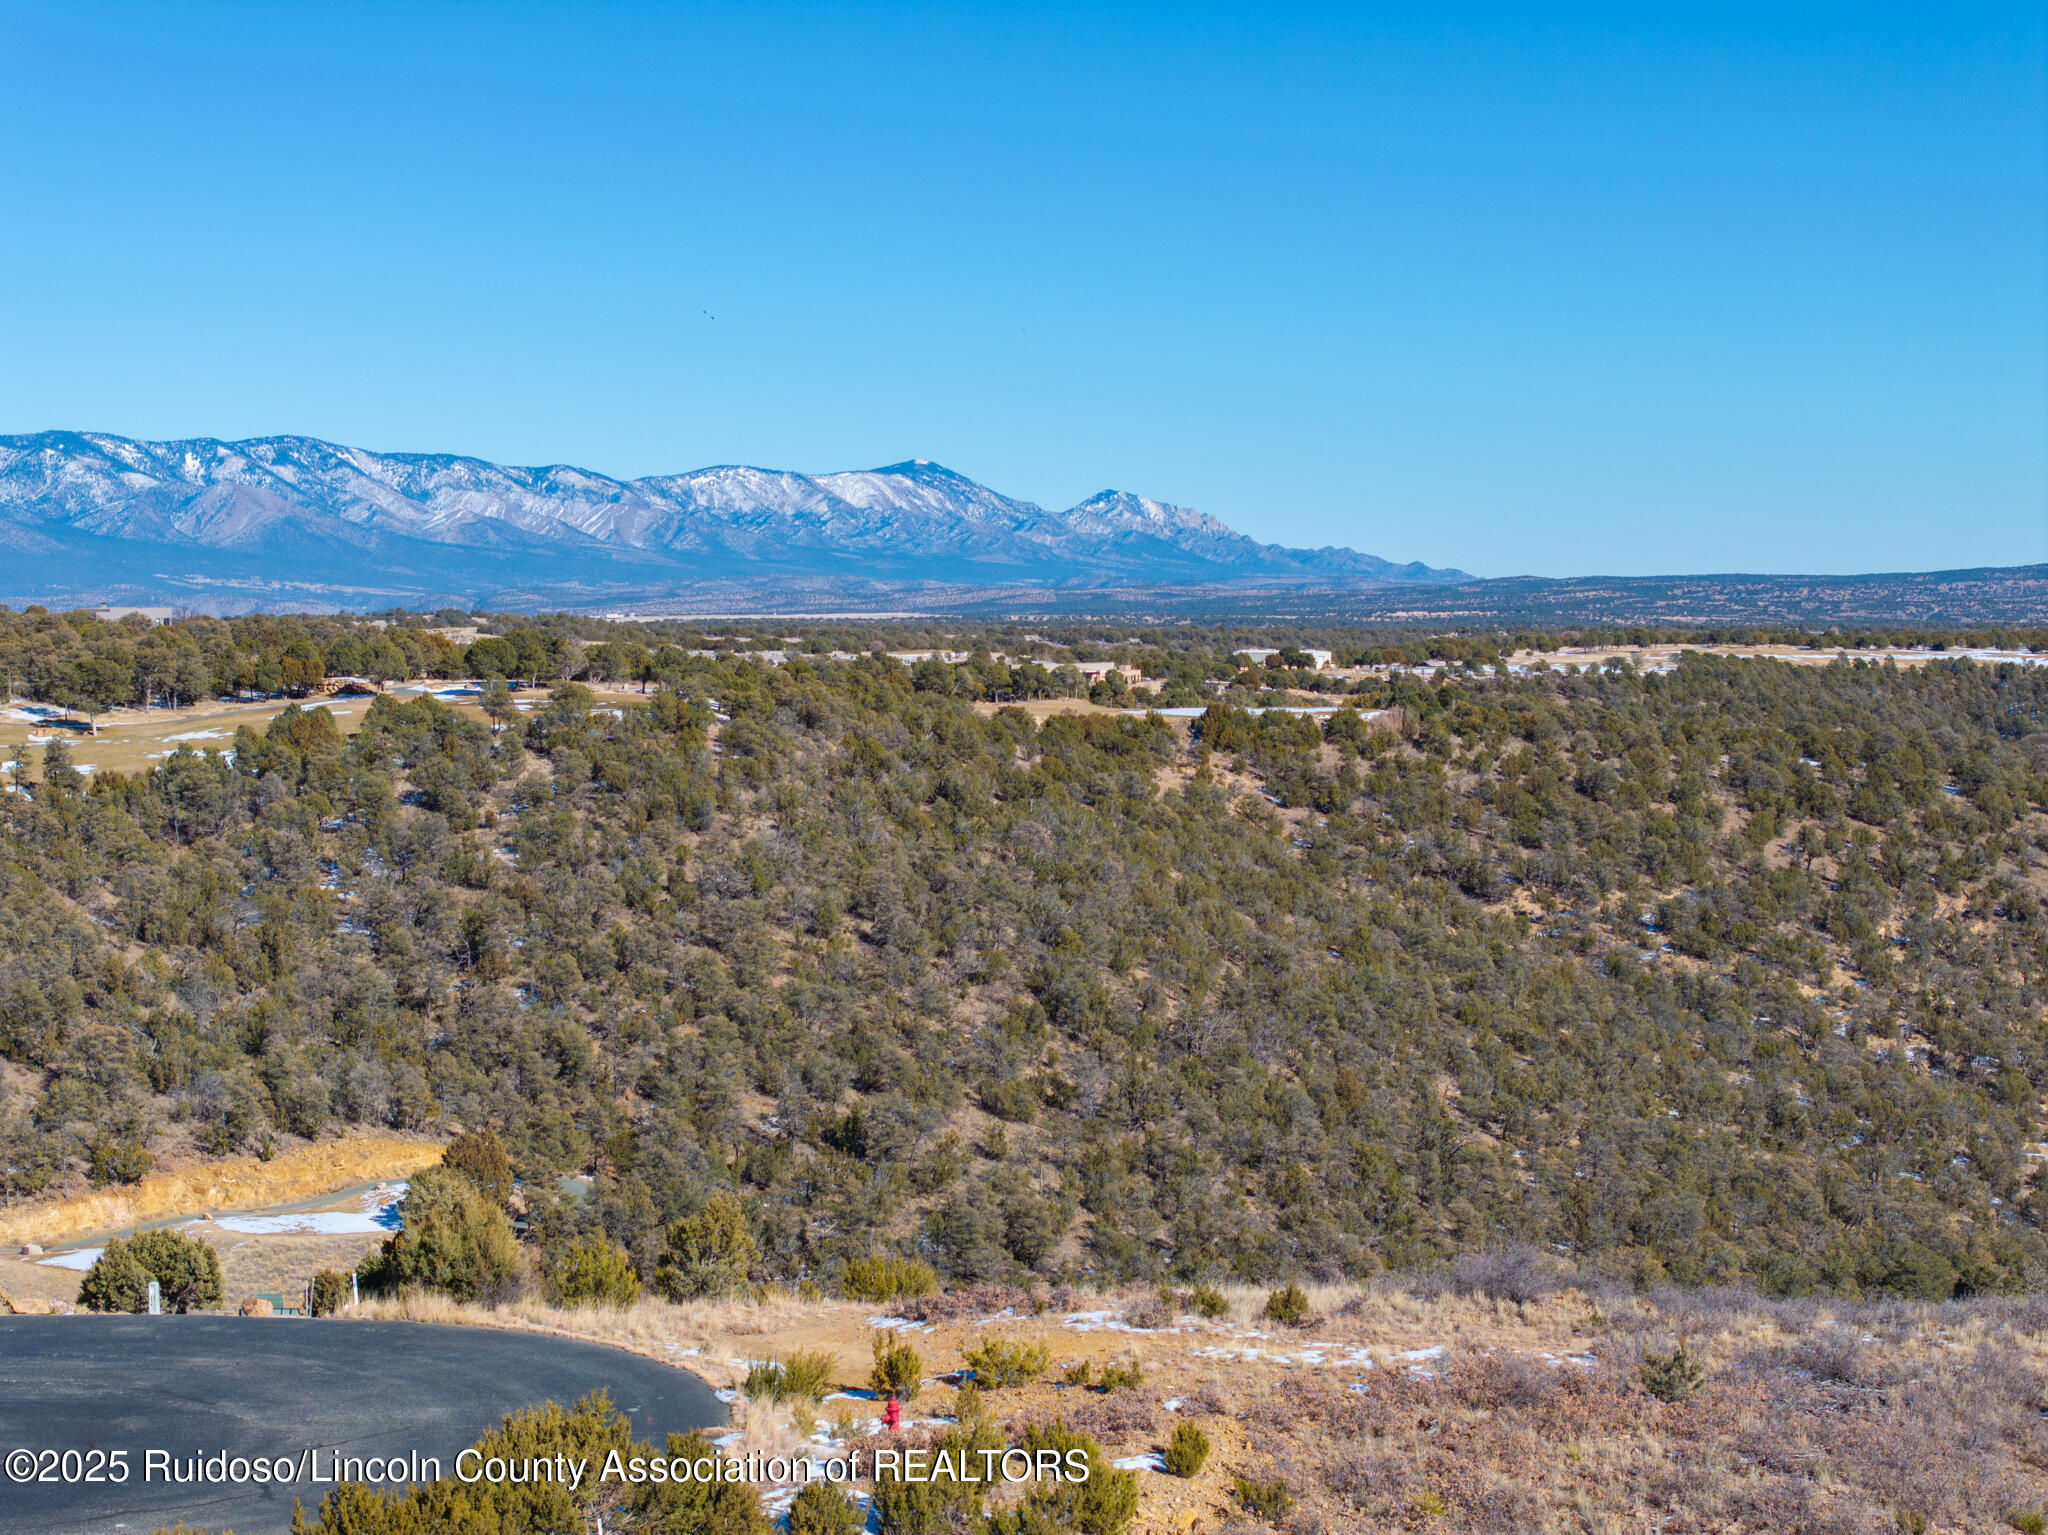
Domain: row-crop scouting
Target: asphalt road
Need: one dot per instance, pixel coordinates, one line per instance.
(193, 1385)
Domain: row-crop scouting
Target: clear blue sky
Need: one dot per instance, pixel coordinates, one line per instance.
(1555, 289)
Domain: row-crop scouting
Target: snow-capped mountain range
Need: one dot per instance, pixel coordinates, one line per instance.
(80, 508)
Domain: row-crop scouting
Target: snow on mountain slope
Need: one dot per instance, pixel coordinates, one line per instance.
(299, 494)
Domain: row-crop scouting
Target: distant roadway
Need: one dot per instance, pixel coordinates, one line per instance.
(204, 1385)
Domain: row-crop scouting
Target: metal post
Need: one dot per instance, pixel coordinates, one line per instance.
(355, 1294)
(156, 1299)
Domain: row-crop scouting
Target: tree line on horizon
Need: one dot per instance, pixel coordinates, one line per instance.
(91, 665)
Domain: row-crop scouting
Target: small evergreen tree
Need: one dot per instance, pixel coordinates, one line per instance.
(187, 1272)
(1102, 1504)
(1209, 1302)
(480, 1157)
(330, 1292)
(593, 1272)
(1675, 1376)
(821, 1509)
(898, 1371)
(1288, 1307)
(709, 1253)
(997, 1364)
(453, 1240)
(1186, 1450)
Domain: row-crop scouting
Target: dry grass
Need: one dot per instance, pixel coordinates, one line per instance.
(1828, 1418)
(218, 1185)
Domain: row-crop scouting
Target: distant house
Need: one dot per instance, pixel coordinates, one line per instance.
(115, 615)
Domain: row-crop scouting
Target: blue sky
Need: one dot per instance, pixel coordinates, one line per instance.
(1533, 289)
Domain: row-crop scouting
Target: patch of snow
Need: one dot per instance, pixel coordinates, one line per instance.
(80, 1259)
(1152, 1460)
(377, 1211)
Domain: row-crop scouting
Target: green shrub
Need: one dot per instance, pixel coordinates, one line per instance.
(186, 1270)
(1288, 1307)
(1079, 1374)
(1210, 1302)
(116, 1159)
(883, 1277)
(1121, 1374)
(765, 1382)
(1672, 1377)
(821, 1509)
(1186, 1450)
(480, 1157)
(944, 1501)
(709, 1253)
(805, 1376)
(1265, 1500)
(968, 1406)
(543, 1505)
(898, 1372)
(809, 1372)
(330, 1292)
(997, 1364)
(1101, 1505)
(2028, 1521)
(453, 1239)
(1011, 1098)
(593, 1272)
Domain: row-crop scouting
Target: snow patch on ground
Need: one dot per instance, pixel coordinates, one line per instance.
(377, 1211)
(1109, 1321)
(80, 1260)
(1151, 1460)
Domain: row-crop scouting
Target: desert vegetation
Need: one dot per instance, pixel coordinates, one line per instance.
(1508, 1099)
(1502, 1392)
(828, 973)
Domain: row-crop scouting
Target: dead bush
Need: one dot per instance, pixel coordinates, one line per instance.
(1518, 1273)
(1149, 1315)
(972, 1301)
(1118, 1416)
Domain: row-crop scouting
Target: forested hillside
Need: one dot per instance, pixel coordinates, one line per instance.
(1729, 974)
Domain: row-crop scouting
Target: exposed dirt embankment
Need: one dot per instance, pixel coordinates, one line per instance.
(230, 1183)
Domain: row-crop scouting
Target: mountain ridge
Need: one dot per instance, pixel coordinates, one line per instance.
(409, 522)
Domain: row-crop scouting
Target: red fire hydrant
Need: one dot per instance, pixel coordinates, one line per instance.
(892, 1415)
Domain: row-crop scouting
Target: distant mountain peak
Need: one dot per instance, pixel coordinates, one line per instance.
(367, 520)
(1119, 510)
